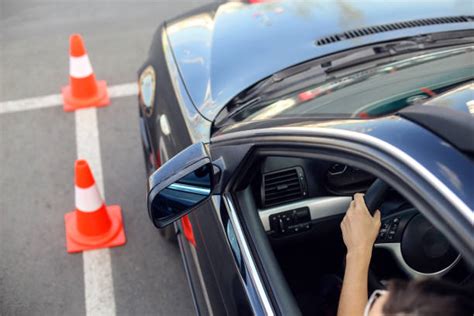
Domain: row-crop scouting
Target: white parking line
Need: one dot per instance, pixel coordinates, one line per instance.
(122, 90)
(98, 282)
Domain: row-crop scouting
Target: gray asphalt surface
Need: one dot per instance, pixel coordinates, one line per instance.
(38, 149)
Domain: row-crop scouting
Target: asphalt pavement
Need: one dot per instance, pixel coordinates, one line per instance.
(38, 150)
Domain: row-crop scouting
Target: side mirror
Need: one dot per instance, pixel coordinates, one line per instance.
(180, 185)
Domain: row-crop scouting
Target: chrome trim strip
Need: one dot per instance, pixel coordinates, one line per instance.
(164, 156)
(201, 279)
(184, 260)
(247, 256)
(319, 207)
(396, 250)
(189, 188)
(367, 140)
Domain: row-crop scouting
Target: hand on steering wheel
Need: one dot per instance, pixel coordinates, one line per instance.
(404, 233)
(359, 228)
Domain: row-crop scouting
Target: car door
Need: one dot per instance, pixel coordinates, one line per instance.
(223, 274)
(230, 241)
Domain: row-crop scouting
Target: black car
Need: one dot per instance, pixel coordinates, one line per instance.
(260, 121)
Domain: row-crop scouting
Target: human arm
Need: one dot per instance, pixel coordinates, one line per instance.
(359, 231)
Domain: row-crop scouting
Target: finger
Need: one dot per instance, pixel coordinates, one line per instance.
(344, 220)
(349, 210)
(358, 195)
(360, 202)
(377, 216)
(351, 205)
(343, 227)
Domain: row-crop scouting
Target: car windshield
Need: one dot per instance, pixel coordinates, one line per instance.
(370, 90)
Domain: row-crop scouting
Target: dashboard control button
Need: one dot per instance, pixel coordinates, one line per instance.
(293, 221)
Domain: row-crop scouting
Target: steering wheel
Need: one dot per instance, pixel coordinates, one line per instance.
(417, 246)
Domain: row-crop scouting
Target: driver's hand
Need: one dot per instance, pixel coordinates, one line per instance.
(359, 228)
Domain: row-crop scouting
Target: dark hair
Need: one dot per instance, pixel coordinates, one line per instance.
(428, 297)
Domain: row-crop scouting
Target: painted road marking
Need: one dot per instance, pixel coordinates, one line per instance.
(98, 282)
(122, 90)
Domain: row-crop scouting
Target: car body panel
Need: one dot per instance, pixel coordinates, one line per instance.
(460, 99)
(215, 50)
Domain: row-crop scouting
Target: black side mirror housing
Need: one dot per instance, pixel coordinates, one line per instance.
(182, 184)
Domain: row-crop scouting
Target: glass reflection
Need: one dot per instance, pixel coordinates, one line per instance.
(184, 194)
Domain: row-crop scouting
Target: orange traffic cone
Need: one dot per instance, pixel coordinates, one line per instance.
(93, 224)
(83, 90)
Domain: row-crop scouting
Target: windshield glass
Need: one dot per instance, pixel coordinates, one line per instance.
(370, 90)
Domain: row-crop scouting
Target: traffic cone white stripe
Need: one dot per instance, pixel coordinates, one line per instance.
(80, 67)
(88, 200)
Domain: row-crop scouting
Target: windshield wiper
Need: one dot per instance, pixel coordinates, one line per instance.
(422, 42)
(321, 68)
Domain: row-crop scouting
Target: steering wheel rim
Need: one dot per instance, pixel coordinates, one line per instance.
(375, 195)
(404, 224)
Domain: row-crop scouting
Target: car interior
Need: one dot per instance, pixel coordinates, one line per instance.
(300, 202)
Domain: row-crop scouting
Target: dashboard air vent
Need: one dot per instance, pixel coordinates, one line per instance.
(391, 27)
(283, 186)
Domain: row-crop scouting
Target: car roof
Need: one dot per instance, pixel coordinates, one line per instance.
(222, 50)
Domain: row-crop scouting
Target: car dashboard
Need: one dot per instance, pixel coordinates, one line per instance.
(292, 194)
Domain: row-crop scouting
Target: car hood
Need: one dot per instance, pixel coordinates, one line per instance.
(224, 49)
